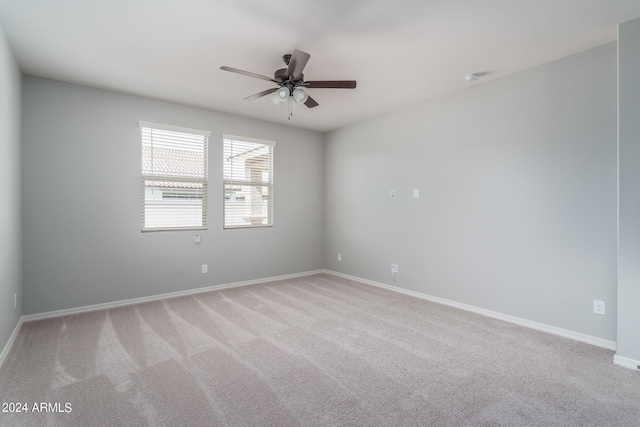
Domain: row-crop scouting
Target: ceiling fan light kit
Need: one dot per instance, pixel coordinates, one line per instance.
(290, 80)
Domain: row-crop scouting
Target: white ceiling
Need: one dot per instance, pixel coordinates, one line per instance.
(401, 52)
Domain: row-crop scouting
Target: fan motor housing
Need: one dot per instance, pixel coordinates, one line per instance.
(281, 75)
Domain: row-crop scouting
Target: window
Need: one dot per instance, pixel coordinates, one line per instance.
(174, 177)
(248, 182)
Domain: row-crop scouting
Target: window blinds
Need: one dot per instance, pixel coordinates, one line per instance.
(248, 182)
(174, 178)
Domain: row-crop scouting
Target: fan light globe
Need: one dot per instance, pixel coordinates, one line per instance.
(300, 96)
(283, 93)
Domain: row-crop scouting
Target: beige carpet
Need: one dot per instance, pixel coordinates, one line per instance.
(314, 351)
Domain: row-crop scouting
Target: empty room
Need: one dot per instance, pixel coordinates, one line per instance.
(333, 213)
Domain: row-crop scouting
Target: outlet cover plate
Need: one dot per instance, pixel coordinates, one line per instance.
(598, 307)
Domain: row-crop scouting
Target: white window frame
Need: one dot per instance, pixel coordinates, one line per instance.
(175, 178)
(231, 182)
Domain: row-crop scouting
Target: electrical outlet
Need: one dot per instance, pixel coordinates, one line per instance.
(205, 268)
(339, 257)
(416, 193)
(394, 268)
(196, 239)
(392, 194)
(598, 307)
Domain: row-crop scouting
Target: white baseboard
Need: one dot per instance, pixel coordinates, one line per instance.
(122, 303)
(627, 362)
(12, 338)
(577, 336)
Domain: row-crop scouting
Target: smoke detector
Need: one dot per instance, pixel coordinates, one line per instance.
(471, 77)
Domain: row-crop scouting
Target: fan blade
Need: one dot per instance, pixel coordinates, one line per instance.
(331, 84)
(310, 103)
(247, 73)
(297, 63)
(261, 94)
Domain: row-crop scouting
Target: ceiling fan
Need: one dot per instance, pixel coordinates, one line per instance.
(290, 81)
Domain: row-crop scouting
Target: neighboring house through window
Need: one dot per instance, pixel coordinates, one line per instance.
(174, 177)
(248, 182)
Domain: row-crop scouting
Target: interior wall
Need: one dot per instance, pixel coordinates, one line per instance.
(82, 239)
(10, 188)
(629, 229)
(517, 195)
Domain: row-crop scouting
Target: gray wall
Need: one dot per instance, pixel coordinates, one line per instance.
(629, 152)
(82, 239)
(517, 208)
(10, 189)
